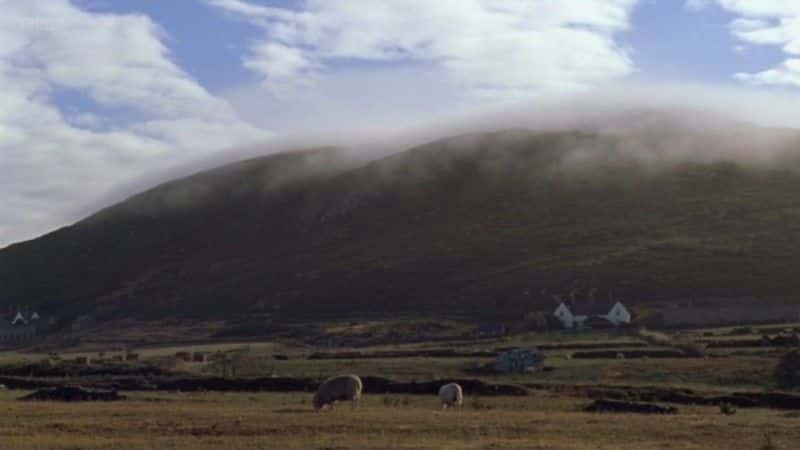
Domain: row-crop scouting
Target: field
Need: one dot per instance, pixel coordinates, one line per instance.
(285, 421)
(224, 415)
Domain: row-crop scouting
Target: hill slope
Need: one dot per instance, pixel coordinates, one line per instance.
(479, 224)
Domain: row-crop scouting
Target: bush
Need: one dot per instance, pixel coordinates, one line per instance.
(787, 373)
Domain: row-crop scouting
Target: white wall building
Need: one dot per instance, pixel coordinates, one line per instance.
(576, 315)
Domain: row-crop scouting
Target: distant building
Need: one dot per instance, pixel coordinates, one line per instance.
(19, 319)
(519, 360)
(18, 328)
(581, 315)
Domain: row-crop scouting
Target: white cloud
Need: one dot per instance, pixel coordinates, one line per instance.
(52, 162)
(509, 49)
(786, 74)
(768, 22)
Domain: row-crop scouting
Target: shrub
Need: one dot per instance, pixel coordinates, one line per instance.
(787, 372)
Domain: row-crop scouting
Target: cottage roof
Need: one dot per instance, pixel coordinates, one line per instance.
(19, 318)
(590, 309)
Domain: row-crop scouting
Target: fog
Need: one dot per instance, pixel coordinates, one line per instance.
(656, 123)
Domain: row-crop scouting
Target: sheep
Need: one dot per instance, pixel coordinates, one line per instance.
(342, 387)
(451, 395)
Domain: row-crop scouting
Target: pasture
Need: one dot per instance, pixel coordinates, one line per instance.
(550, 417)
(238, 421)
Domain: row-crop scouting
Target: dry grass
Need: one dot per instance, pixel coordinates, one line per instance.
(285, 421)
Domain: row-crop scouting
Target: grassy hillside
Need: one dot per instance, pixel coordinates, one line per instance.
(477, 225)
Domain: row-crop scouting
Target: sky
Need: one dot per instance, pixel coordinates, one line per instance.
(99, 93)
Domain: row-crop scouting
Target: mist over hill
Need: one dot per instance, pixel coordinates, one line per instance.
(652, 207)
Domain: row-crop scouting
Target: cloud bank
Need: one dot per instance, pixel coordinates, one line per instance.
(94, 102)
(52, 159)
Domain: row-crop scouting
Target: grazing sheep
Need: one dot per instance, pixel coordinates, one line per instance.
(340, 388)
(451, 395)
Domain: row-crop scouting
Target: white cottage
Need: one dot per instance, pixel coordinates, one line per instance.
(19, 319)
(578, 315)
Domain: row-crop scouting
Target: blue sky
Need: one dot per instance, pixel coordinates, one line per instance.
(666, 40)
(669, 41)
(97, 93)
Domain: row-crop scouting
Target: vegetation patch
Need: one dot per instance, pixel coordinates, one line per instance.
(73, 394)
(615, 406)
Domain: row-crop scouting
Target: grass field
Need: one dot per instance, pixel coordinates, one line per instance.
(286, 421)
(553, 419)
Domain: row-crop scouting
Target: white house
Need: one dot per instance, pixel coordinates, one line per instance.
(577, 315)
(19, 319)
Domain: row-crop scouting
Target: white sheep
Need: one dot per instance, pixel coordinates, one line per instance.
(451, 395)
(339, 388)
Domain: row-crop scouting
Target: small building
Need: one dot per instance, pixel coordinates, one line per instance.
(581, 315)
(19, 319)
(519, 360)
(17, 330)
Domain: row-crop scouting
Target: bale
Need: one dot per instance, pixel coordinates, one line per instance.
(339, 388)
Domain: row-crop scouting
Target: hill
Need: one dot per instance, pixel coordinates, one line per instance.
(478, 225)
